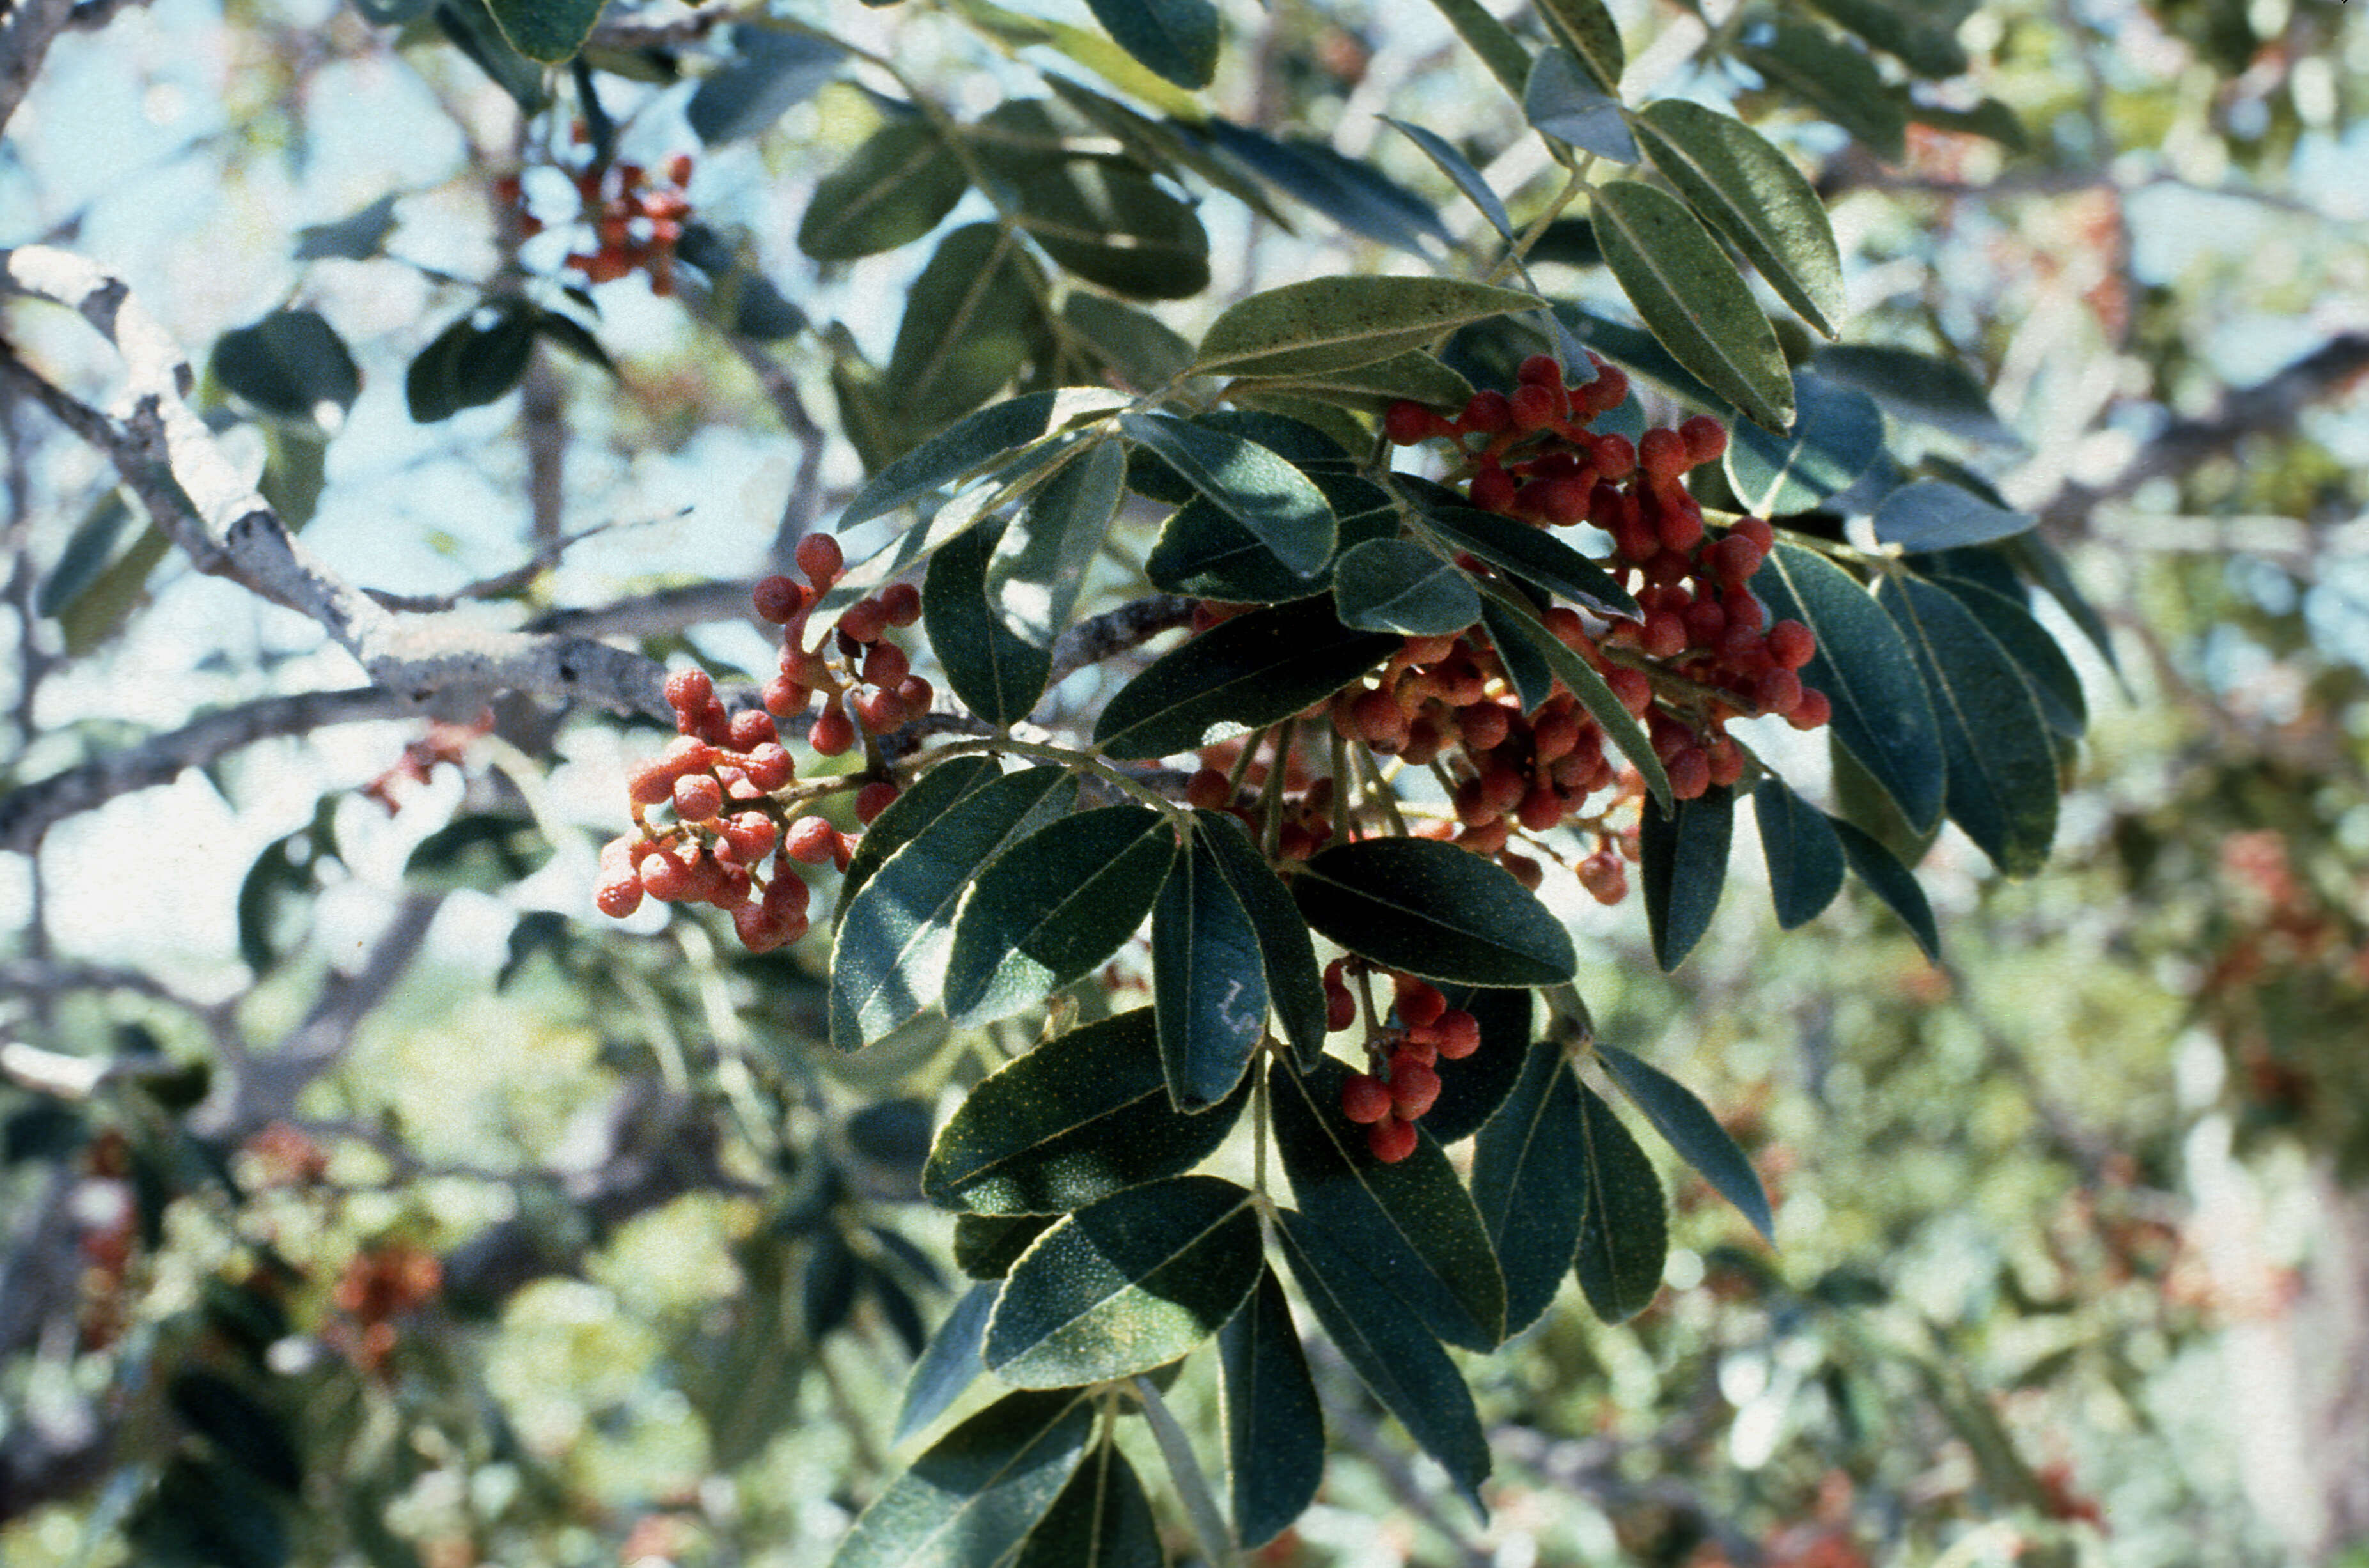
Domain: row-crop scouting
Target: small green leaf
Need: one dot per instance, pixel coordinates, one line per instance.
(1830, 75)
(1208, 979)
(1882, 713)
(1532, 555)
(1934, 514)
(1334, 324)
(2055, 682)
(1919, 387)
(1174, 40)
(1427, 908)
(1287, 953)
(1693, 298)
(1805, 860)
(1684, 856)
(1248, 673)
(1250, 483)
(987, 1245)
(1507, 58)
(1741, 185)
(549, 31)
(1039, 562)
(1053, 906)
(2039, 561)
(1682, 1119)
(1390, 584)
(356, 237)
(1563, 99)
(1126, 1284)
(1625, 1235)
(1082, 1115)
(1274, 1427)
(769, 73)
(891, 191)
(1102, 1519)
(921, 803)
(1587, 28)
(1837, 435)
(1146, 352)
(889, 955)
(1892, 882)
(1205, 554)
(1412, 1223)
(998, 676)
(1471, 1093)
(1522, 1165)
(1459, 169)
(1989, 119)
(1391, 1354)
(979, 1490)
(1580, 677)
(87, 553)
(1112, 226)
(971, 444)
(475, 360)
(949, 1364)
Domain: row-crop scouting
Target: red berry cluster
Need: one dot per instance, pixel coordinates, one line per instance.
(636, 219)
(871, 675)
(1404, 1054)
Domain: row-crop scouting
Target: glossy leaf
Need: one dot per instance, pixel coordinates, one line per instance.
(987, 1245)
(978, 1491)
(1741, 185)
(1126, 1284)
(356, 237)
(1390, 584)
(892, 190)
(1174, 40)
(997, 675)
(1206, 554)
(1587, 28)
(1934, 514)
(2002, 770)
(1830, 77)
(1690, 1128)
(1112, 226)
(948, 1365)
(1411, 1223)
(548, 31)
(1582, 680)
(1250, 484)
(1056, 904)
(1882, 714)
(475, 360)
(1208, 979)
(1624, 1236)
(1891, 882)
(1534, 555)
(972, 443)
(1391, 1354)
(921, 803)
(1102, 1519)
(1837, 435)
(1684, 866)
(889, 955)
(1427, 908)
(769, 74)
(1690, 294)
(1909, 30)
(1563, 100)
(1472, 1090)
(1244, 674)
(1523, 1165)
(1919, 387)
(1507, 58)
(1039, 562)
(1082, 1115)
(1806, 860)
(1457, 167)
(1331, 323)
(2055, 682)
(1274, 1427)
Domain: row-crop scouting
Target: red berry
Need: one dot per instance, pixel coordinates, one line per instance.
(832, 732)
(1635, 692)
(880, 711)
(820, 557)
(1365, 1099)
(698, 797)
(1616, 458)
(784, 697)
(1534, 406)
(1460, 1034)
(770, 766)
(752, 727)
(1488, 413)
(679, 169)
(1407, 422)
(1779, 691)
(1662, 454)
(1665, 635)
(778, 599)
(689, 691)
(1734, 559)
(666, 878)
(1815, 708)
(1689, 770)
(1604, 875)
(1391, 1140)
(787, 894)
(1419, 1002)
(915, 693)
(619, 897)
(1491, 489)
(873, 798)
(1207, 791)
(1541, 809)
(810, 839)
(1540, 370)
(901, 604)
(1791, 645)
(651, 784)
(885, 666)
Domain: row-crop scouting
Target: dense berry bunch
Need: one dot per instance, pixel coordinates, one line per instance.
(1402, 1051)
(635, 219)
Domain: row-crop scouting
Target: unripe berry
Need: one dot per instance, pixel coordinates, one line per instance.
(1791, 645)
(1365, 1099)
(1391, 1140)
(1419, 1001)
(873, 798)
(901, 603)
(690, 692)
(770, 766)
(697, 797)
(752, 727)
(1460, 1034)
(832, 732)
(820, 559)
(778, 599)
(811, 840)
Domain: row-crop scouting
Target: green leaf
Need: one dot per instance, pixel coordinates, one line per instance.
(239, 1427)
(1161, 145)
(1208, 979)
(1082, 1115)
(1145, 352)
(949, 1365)
(1741, 185)
(1692, 297)
(1532, 555)
(972, 322)
(1932, 392)
(827, 1289)
(1274, 1427)
(1586, 27)
(1580, 677)
(1458, 168)
(549, 31)
(1334, 324)
(1682, 1119)
(1111, 225)
(1563, 100)
(1805, 860)
(1126, 1284)
(356, 237)
(1522, 1166)
(1039, 561)
(978, 1491)
(1837, 435)
(472, 32)
(1250, 483)
(892, 190)
(1414, 375)
(1903, 30)
(1532, 678)
(997, 675)
(1286, 952)
(1624, 1236)
(1392, 585)
(1174, 40)
(1989, 119)
(1245, 674)
(1411, 1224)
(889, 955)
(1684, 856)
(1430, 909)
(1350, 191)
(2002, 768)
(475, 360)
(87, 553)
(1507, 58)
(1882, 713)
(1206, 554)
(1830, 75)
(1934, 514)
(769, 73)
(1102, 1519)
(1392, 1355)
(921, 803)
(1056, 904)
(2039, 561)
(2054, 683)
(1471, 1091)
(987, 1245)
(1642, 352)
(1892, 882)
(971, 444)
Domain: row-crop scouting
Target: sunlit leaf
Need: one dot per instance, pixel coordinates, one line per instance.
(1052, 907)
(1741, 185)
(1250, 484)
(550, 31)
(1587, 28)
(978, 1490)
(1331, 323)
(891, 191)
(1175, 40)
(1563, 100)
(1692, 297)
(1934, 514)
(1427, 908)
(1837, 435)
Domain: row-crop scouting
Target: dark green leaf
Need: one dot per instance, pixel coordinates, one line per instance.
(1208, 979)
(1332, 324)
(890, 953)
(998, 676)
(390, 13)
(768, 73)
(987, 1245)
(1904, 29)
(206, 1514)
(1506, 57)
(1805, 861)
(1919, 387)
(1353, 193)
(1932, 515)
(1533, 679)
(1892, 882)
(482, 851)
(1532, 555)
(357, 237)
(1411, 1224)
(1144, 351)
(1563, 100)
(1837, 435)
(921, 804)
(1130, 1282)
(1112, 226)
(2002, 768)
(978, 1491)
(1459, 169)
(1245, 674)
(1101, 1521)
(1081, 1117)
(88, 551)
(1250, 483)
(1522, 1168)
(1205, 553)
(1989, 119)
(1039, 561)
(1287, 953)
(239, 1427)
(2039, 561)
(1174, 40)
(1390, 584)
(1581, 679)
(1056, 904)
(1693, 298)
(2054, 683)
(475, 33)
(1587, 28)
(1678, 1116)
(1427, 908)
(827, 1289)
(1471, 1090)
(970, 445)
(1882, 714)
(1642, 353)
(1741, 186)
(475, 360)
(949, 1365)
(1830, 77)
(1390, 1353)
(1274, 1428)
(575, 337)
(972, 320)
(891, 192)
(289, 364)
(1414, 375)
(550, 31)
(1625, 1234)
(737, 293)
(897, 1305)
(1684, 866)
